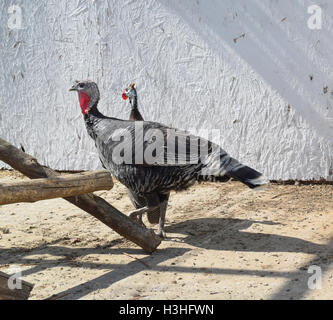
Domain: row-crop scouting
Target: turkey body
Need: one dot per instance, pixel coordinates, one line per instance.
(172, 171)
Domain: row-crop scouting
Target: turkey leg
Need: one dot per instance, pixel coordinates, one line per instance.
(163, 209)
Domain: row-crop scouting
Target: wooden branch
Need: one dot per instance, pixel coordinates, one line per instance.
(58, 187)
(13, 294)
(94, 205)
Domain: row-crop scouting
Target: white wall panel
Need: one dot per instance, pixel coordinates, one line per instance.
(193, 68)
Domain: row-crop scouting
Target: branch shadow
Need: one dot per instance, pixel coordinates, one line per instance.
(207, 233)
(297, 287)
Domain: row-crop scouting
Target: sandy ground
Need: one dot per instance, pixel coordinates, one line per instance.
(224, 241)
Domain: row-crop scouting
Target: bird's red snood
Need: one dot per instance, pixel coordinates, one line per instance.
(84, 100)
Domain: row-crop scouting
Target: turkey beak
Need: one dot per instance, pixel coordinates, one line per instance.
(73, 88)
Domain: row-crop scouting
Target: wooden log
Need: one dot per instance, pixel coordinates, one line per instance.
(58, 187)
(94, 205)
(13, 294)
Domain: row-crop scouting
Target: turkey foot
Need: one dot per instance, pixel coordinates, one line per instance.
(136, 215)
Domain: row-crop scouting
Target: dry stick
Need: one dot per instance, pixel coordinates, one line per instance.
(94, 205)
(144, 263)
(281, 194)
(57, 187)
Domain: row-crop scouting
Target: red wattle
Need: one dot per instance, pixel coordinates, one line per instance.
(124, 95)
(84, 100)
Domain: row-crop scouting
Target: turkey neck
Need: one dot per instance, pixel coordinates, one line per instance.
(135, 113)
(134, 103)
(91, 118)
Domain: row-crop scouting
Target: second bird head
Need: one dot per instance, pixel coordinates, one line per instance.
(130, 92)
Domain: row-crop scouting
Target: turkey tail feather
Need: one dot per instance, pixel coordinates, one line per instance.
(220, 165)
(248, 176)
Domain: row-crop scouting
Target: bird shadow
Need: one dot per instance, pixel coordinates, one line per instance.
(229, 234)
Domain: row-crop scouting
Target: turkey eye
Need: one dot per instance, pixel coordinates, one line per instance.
(81, 85)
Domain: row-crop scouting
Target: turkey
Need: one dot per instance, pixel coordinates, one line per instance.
(150, 158)
(137, 200)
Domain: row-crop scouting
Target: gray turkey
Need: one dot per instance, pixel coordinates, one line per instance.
(151, 158)
(140, 201)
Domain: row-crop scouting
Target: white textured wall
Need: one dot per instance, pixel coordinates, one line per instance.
(189, 72)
